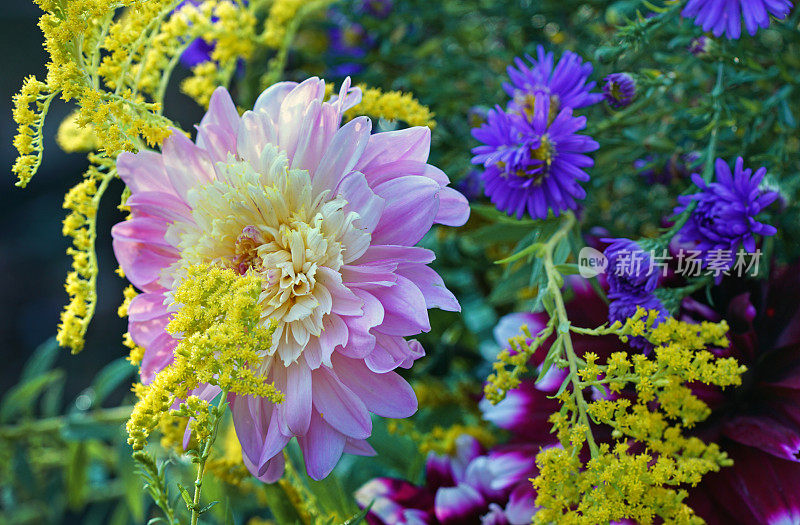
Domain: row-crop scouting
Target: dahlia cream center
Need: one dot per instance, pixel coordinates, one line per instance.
(265, 220)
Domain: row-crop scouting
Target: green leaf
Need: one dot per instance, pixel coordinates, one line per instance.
(82, 427)
(567, 268)
(207, 507)
(40, 361)
(358, 518)
(110, 377)
(280, 505)
(22, 397)
(186, 496)
(76, 475)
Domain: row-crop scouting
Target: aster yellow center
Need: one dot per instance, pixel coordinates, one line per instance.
(264, 220)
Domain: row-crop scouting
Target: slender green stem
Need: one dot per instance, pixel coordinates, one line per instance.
(559, 311)
(217, 413)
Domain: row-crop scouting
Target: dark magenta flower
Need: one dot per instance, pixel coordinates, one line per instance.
(469, 487)
(534, 165)
(725, 16)
(619, 89)
(724, 216)
(564, 83)
(758, 422)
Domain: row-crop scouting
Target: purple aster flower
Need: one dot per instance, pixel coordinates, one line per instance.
(376, 8)
(632, 279)
(630, 269)
(471, 186)
(725, 16)
(758, 422)
(724, 216)
(349, 39)
(534, 165)
(619, 89)
(565, 83)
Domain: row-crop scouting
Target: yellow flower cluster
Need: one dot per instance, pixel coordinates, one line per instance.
(512, 362)
(639, 476)
(222, 335)
(72, 137)
(392, 105)
(30, 107)
(80, 224)
(280, 14)
(441, 440)
(233, 31)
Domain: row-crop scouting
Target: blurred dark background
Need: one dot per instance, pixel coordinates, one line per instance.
(33, 262)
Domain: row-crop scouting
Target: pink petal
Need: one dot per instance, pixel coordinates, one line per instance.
(339, 406)
(292, 109)
(146, 307)
(142, 263)
(309, 150)
(389, 353)
(146, 230)
(144, 171)
(334, 334)
(411, 206)
(271, 471)
(270, 100)
(359, 447)
(360, 341)
(368, 275)
(386, 394)
(157, 355)
(342, 154)
(432, 287)
(294, 381)
(408, 254)
(392, 146)
(145, 332)
(453, 208)
(219, 127)
(345, 302)
(322, 447)
(221, 112)
(255, 132)
(249, 420)
(361, 199)
(187, 165)
(217, 142)
(164, 206)
(405, 312)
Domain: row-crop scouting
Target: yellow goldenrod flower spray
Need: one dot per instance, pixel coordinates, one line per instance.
(221, 333)
(639, 475)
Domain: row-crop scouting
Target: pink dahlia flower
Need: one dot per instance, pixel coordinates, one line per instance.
(328, 216)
